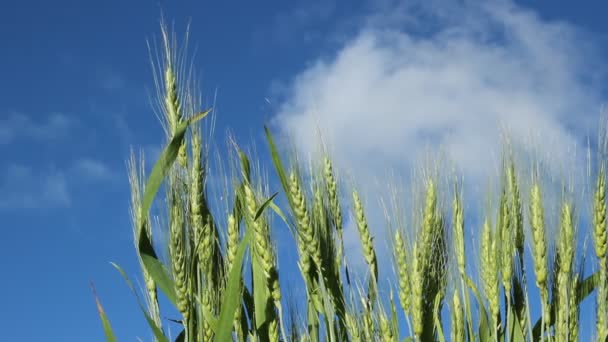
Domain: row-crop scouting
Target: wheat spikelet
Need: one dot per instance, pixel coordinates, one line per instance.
(231, 249)
(506, 242)
(386, 331)
(232, 241)
(516, 209)
(264, 253)
(429, 222)
(573, 319)
(368, 321)
(203, 236)
(599, 216)
(261, 248)
(207, 331)
(309, 245)
(177, 250)
(334, 205)
(172, 106)
(457, 331)
(565, 260)
(403, 271)
(537, 223)
(353, 327)
(458, 234)
(417, 299)
(567, 240)
(489, 269)
(600, 245)
(364, 235)
(273, 331)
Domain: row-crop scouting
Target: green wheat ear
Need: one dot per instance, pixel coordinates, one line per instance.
(600, 234)
(364, 234)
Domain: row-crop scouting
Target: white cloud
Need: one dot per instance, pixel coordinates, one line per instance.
(22, 187)
(400, 88)
(17, 126)
(45, 187)
(93, 169)
(388, 94)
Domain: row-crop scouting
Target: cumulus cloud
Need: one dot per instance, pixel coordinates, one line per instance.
(454, 83)
(388, 94)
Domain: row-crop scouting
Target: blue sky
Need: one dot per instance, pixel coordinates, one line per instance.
(75, 99)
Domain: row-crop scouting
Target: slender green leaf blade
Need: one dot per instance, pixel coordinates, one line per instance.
(264, 205)
(232, 296)
(107, 327)
(160, 275)
(276, 159)
(436, 314)
(158, 333)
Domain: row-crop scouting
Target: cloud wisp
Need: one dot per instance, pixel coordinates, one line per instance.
(23, 188)
(19, 126)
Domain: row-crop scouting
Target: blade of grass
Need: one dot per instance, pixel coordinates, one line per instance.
(436, 314)
(155, 329)
(160, 275)
(107, 327)
(232, 297)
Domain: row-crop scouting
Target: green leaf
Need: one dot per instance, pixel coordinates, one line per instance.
(519, 300)
(485, 334)
(232, 295)
(107, 328)
(516, 333)
(276, 159)
(197, 117)
(485, 331)
(263, 206)
(436, 314)
(248, 303)
(261, 298)
(245, 167)
(394, 318)
(155, 329)
(279, 212)
(160, 275)
(328, 312)
(181, 337)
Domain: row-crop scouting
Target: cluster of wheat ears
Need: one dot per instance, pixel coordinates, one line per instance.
(221, 275)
